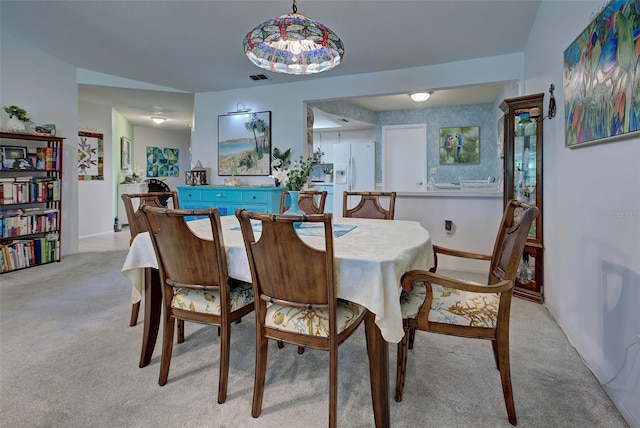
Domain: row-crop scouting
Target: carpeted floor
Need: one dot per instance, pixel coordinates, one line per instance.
(69, 359)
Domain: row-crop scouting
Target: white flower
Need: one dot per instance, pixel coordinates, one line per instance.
(280, 175)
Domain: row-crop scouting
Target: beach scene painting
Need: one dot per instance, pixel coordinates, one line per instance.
(244, 144)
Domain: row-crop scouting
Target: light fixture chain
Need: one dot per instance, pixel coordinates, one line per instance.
(295, 7)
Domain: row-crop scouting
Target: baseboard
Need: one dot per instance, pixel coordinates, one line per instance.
(94, 235)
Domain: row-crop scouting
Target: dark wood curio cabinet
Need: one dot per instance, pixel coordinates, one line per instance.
(523, 181)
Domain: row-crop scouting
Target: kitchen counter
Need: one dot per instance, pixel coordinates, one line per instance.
(452, 194)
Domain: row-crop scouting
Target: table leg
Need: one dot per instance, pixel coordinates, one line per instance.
(152, 310)
(378, 350)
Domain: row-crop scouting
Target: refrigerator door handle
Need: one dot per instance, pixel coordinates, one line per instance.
(352, 168)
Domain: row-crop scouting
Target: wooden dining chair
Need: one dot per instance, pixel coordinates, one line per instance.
(369, 205)
(195, 282)
(138, 224)
(438, 304)
(310, 201)
(295, 295)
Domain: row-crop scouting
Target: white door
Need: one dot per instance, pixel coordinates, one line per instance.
(404, 157)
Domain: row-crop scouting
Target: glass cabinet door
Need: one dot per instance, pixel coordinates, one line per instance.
(523, 182)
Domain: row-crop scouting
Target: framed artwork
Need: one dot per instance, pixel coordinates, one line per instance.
(162, 162)
(10, 154)
(90, 156)
(244, 144)
(460, 145)
(601, 78)
(125, 153)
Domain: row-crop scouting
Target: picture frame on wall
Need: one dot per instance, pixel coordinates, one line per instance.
(125, 153)
(599, 98)
(10, 154)
(244, 144)
(459, 145)
(90, 156)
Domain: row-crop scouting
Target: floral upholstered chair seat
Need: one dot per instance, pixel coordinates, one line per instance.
(312, 322)
(451, 306)
(208, 302)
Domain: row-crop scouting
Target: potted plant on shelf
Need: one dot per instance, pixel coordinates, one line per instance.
(17, 118)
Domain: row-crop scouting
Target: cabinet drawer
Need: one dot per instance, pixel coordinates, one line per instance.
(189, 195)
(255, 198)
(215, 195)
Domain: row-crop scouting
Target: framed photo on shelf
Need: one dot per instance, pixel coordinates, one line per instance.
(125, 153)
(23, 163)
(244, 143)
(10, 154)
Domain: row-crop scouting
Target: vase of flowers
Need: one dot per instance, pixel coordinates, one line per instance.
(17, 118)
(280, 161)
(295, 177)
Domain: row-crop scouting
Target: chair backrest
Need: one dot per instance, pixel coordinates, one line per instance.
(135, 218)
(369, 205)
(155, 185)
(511, 240)
(184, 259)
(309, 201)
(285, 269)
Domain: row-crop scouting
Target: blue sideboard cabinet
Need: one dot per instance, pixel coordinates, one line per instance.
(228, 199)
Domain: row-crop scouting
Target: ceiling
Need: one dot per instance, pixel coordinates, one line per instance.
(196, 46)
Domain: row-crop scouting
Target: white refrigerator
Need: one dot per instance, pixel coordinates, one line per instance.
(353, 171)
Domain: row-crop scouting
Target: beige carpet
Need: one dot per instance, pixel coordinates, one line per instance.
(69, 359)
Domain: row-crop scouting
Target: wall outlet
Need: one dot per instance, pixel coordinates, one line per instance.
(448, 225)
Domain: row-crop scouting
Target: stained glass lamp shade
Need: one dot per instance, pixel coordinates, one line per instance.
(293, 44)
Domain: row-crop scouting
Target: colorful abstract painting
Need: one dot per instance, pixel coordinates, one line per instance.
(162, 162)
(460, 145)
(602, 77)
(90, 156)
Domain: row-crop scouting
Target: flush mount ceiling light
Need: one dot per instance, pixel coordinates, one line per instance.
(293, 44)
(420, 97)
(158, 120)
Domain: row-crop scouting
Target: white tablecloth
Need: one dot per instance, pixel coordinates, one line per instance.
(369, 262)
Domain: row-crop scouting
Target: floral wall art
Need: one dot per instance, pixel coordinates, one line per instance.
(162, 162)
(601, 77)
(90, 156)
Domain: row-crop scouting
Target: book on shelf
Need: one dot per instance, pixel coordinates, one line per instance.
(40, 158)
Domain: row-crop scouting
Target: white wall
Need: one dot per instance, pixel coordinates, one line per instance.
(591, 222)
(46, 87)
(96, 216)
(156, 137)
(475, 224)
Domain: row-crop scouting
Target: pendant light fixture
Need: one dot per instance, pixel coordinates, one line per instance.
(293, 44)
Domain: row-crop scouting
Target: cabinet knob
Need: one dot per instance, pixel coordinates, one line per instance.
(189, 194)
(220, 195)
(254, 196)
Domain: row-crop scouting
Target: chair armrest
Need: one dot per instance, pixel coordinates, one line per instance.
(429, 277)
(464, 254)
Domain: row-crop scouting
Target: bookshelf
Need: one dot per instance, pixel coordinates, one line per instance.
(30, 200)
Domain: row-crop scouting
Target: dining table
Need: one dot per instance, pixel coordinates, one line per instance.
(370, 257)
